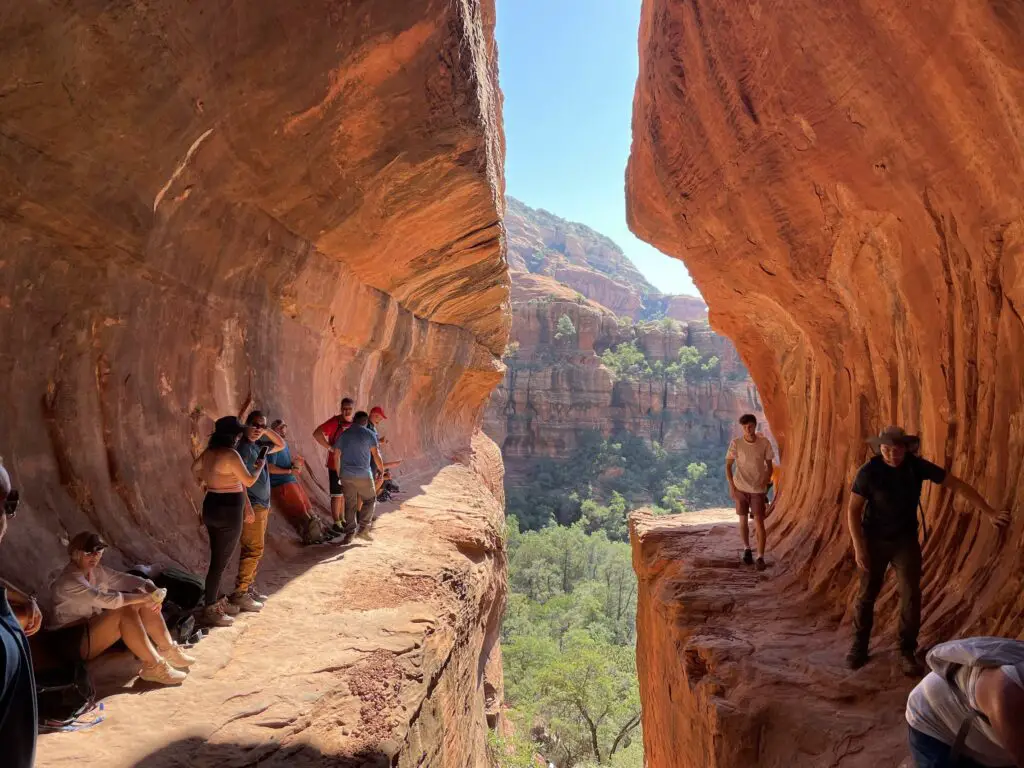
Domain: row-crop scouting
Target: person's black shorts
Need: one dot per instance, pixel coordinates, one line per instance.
(334, 481)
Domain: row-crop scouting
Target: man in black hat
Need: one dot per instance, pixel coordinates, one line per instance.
(882, 516)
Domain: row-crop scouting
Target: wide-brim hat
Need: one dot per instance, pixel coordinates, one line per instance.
(893, 435)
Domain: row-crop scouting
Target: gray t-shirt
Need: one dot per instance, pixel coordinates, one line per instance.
(933, 708)
(355, 444)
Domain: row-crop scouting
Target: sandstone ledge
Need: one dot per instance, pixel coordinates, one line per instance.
(376, 654)
(736, 672)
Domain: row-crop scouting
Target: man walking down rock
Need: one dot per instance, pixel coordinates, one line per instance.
(359, 454)
(882, 516)
(748, 467)
(254, 534)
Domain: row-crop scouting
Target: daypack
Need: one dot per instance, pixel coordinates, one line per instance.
(312, 530)
(388, 489)
(181, 623)
(63, 695)
(184, 589)
(947, 659)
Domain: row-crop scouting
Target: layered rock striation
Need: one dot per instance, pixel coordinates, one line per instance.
(556, 391)
(844, 184)
(194, 200)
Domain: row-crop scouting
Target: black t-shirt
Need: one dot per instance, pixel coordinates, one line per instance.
(17, 692)
(893, 494)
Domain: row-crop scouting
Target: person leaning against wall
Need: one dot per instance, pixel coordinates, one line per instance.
(882, 517)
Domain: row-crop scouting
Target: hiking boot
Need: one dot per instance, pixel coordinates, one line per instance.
(162, 673)
(857, 657)
(227, 608)
(910, 665)
(748, 557)
(256, 595)
(761, 564)
(347, 539)
(215, 616)
(246, 603)
(364, 534)
(336, 530)
(177, 657)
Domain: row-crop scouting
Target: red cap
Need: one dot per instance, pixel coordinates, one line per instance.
(378, 409)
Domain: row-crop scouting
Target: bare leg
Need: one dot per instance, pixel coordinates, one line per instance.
(338, 508)
(121, 624)
(744, 531)
(155, 626)
(761, 535)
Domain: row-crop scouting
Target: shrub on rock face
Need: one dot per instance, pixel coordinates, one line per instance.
(565, 331)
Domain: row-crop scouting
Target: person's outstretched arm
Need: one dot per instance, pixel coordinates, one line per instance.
(244, 476)
(998, 519)
(250, 401)
(276, 439)
(1002, 702)
(855, 521)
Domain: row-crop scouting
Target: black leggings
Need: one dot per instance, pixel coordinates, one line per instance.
(222, 515)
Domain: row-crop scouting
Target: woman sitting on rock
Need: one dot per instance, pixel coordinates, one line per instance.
(223, 474)
(94, 607)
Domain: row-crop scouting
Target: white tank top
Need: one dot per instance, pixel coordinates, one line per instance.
(934, 709)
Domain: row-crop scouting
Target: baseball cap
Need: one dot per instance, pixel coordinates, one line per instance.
(378, 409)
(893, 435)
(87, 542)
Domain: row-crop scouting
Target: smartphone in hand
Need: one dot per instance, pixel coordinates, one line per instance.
(264, 449)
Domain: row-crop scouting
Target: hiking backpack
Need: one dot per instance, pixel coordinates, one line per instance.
(947, 659)
(63, 696)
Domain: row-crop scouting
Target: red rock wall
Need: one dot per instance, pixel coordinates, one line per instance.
(195, 193)
(844, 183)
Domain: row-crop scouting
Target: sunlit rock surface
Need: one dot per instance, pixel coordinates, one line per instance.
(196, 196)
(844, 184)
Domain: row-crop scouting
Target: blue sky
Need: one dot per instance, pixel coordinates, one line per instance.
(568, 69)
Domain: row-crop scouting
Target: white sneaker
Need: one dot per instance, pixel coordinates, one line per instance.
(177, 657)
(162, 673)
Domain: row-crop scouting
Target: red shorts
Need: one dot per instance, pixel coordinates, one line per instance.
(751, 503)
(291, 501)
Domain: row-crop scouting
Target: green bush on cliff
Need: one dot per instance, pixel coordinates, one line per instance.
(605, 478)
(565, 331)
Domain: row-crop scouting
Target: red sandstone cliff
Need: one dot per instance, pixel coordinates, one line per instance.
(844, 184)
(555, 391)
(190, 194)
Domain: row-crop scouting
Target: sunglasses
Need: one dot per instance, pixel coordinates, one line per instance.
(257, 425)
(11, 504)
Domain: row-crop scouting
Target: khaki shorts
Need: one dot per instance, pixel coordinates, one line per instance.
(751, 504)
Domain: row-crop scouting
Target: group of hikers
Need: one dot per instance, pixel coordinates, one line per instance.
(969, 710)
(246, 468)
(248, 465)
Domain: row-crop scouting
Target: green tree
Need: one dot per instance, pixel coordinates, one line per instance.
(626, 361)
(590, 698)
(565, 331)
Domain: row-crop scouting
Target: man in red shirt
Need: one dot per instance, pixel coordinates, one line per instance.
(325, 435)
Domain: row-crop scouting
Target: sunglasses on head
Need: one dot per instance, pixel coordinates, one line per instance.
(93, 551)
(11, 503)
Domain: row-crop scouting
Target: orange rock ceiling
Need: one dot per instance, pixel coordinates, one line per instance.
(844, 184)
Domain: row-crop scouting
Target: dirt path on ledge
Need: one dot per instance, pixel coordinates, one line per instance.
(735, 671)
(361, 653)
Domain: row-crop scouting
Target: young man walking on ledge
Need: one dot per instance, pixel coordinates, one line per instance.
(882, 516)
(748, 466)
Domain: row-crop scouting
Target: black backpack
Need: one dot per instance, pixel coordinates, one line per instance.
(64, 694)
(184, 589)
